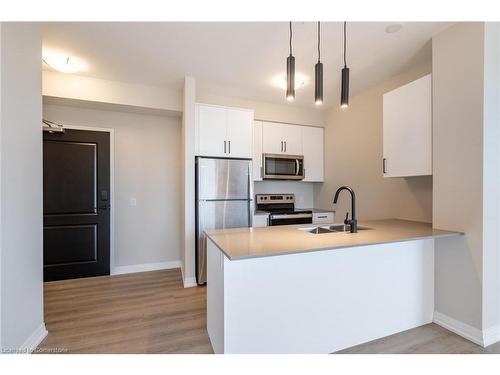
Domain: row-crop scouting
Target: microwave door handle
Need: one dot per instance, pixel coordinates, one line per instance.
(297, 167)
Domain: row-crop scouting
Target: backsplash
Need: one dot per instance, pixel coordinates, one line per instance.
(304, 191)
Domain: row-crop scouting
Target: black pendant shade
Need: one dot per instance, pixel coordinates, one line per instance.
(290, 77)
(318, 74)
(290, 72)
(344, 92)
(318, 79)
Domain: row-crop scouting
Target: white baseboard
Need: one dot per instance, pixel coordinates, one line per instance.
(35, 339)
(491, 335)
(188, 282)
(466, 331)
(120, 270)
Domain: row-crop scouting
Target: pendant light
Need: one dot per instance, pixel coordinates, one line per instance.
(290, 72)
(318, 74)
(344, 94)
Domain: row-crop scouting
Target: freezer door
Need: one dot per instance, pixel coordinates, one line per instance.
(224, 178)
(217, 215)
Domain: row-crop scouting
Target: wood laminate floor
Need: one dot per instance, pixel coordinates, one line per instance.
(151, 312)
(147, 312)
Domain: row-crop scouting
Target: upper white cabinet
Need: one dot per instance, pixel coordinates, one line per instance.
(312, 147)
(257, 150)
(224, 131)
(407, 134)
(278, 138)
(281, 138)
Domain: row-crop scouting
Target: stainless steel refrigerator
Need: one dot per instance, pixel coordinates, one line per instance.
(223, 200)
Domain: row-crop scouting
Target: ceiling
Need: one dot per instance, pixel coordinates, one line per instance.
(242, 58)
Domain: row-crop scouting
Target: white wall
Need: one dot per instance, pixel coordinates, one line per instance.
(458, 55)
(353, 156)
(101, 91)
(466, 160)
(147, 168)
(21, 249)
(188, 183)
(491, 189)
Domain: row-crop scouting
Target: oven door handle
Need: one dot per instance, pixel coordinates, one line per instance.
(292, 216)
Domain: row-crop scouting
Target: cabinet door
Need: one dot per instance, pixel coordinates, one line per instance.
(273, 136)
(407, 130)
(259, 221)
(257, 151)
(312, 147)
(292, 136)
(239, 133)
(211, 131)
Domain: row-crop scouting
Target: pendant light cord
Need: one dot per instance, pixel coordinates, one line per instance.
(290, 38)
(319, 38)
(345, 25)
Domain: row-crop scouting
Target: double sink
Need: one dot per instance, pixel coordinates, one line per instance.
(335, 228)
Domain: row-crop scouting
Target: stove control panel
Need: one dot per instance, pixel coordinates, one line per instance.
(274, 198)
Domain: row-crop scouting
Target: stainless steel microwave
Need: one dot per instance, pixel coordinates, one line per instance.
(282, 167)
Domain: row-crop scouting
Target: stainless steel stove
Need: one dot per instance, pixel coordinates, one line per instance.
(281, 208)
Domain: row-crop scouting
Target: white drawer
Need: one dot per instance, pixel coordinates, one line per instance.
(323, 217)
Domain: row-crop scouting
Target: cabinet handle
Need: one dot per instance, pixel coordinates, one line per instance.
(281, 146)
(384, 165)
(224, 146)
(229, 143)
(285, 146)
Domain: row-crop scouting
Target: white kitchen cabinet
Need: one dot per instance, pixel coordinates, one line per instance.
(212, 130)
(280, 138)
(260, 221)
(239, 133)
(257, 151)
(312, 148)
(407, 130)
(224, 131)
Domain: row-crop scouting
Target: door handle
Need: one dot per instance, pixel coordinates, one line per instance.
(229, 143)
(104, 195)
(225, 147)
(285, 146)
(281, 146)
(384, 165)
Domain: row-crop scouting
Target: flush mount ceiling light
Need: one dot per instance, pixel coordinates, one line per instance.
(344, 93)
(290, 72)
(393, 28)
(318, 74)
(62, 62)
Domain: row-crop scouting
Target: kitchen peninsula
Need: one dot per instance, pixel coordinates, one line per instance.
(289, 290)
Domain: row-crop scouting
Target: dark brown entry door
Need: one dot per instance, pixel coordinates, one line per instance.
(76, 204)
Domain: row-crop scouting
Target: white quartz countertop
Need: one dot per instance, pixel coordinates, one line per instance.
(241, 243)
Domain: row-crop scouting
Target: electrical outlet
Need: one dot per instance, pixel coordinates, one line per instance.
(133, 202)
